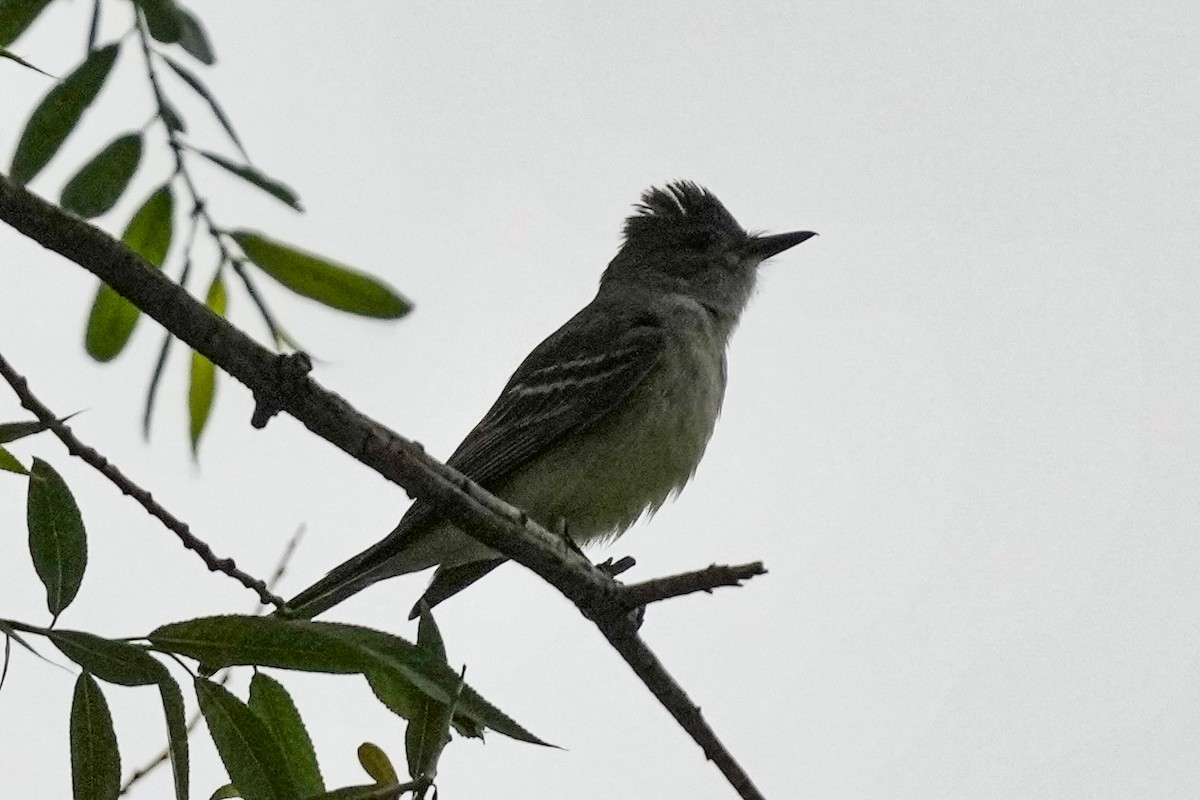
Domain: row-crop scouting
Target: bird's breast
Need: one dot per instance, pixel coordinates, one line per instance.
(602, 479)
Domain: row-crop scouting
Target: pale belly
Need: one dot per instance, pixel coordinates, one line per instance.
(600, 481)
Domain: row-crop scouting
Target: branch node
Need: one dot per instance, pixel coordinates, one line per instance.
(270, 397)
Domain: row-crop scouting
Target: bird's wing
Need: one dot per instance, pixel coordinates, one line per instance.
(573, 379)
(547, 399)
(551, 396)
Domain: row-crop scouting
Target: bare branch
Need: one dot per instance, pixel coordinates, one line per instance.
(106, 468)
(703, 580)
(622, 635)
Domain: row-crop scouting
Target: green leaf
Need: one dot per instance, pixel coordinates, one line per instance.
(110, 324)
(59, 112)
(376, 763)
(160, 365)
(202, 386)
(274, 706)
(403, 699)
(171, 117)
(100, 183)
(95, 759)
(109, 660)
(226, 792)
(129, 665)
(399, 695)
(9, 462)
(16, 16)
(177, 733)
(428, 731)
(247, 173)
(12, 431)
(163, 19)
(10, 632)
(433, 678)
(199, 88)
(113, 318)
(325, 281)
(11, 56)
(149, 230)
(251, 755)
(263, 641)
(4, 662)
(427, 734)
(57, 540)
(193, 39)
(429, 638)
(379, 650)
(328, 647)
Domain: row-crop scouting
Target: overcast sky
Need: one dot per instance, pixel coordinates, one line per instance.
(961, 427)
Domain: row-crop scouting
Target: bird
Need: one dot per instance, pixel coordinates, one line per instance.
(610, 415)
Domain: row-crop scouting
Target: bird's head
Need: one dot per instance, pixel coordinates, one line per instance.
(682, 239)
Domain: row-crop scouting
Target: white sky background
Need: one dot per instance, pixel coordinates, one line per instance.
(961, 428)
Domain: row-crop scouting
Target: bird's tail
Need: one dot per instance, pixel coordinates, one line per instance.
(416, 544)
(343, 581)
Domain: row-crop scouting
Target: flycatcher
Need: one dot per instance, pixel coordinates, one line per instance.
(610, 415)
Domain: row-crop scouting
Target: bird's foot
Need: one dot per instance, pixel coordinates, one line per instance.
(561, 528)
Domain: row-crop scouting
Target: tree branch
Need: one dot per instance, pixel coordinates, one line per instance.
(277, 384)
(109, 470)
(703, 580)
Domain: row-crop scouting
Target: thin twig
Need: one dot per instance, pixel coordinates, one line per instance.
(285, 558)
(702, 580)
(199, 206)
(101, 464)
(94, 28)
(239, 268)
(622, 635)
(165, 349)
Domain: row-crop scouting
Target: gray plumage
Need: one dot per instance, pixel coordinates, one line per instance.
(610, 415)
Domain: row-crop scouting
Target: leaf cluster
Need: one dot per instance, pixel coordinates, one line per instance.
(263, 742)
(96, 187)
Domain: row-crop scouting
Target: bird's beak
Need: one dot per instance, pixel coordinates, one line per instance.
(763, 247)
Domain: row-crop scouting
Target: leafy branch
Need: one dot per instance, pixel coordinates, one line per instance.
(99, 184)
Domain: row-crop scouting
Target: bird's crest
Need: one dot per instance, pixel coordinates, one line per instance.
(681, 203)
